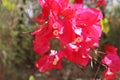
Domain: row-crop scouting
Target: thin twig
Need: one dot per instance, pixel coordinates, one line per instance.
(99, 62)
(83, 71)
(98, 69)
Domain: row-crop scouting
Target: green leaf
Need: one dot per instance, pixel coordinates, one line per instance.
(105, 25)
(9, 5)
(31, 77)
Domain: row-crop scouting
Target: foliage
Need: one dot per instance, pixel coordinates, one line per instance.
(9, 5)
(15, 40)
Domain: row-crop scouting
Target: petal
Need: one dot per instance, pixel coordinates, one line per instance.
(68, 33)
(101, 3)
(110, 49)
(41, 19)
(88, 17)
(63, 3)
(109, 75)
(50, 61)
(79, 1)
(68, 14)
(42, 2)
(113, 61)
(73, 54)
(41, 46)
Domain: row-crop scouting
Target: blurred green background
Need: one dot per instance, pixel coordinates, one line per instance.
(17, 57)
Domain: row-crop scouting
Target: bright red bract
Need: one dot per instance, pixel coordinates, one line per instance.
(111, 59)
(101, 3)
(77, 29)
(109, 75)
(79, 1)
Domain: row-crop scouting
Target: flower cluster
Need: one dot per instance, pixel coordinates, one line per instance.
(100, 2)
(76, 29)
(78, 1)
(112, 60)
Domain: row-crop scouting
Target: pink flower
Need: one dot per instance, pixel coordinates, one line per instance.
(109, 75)
(48, 6)
(74, 54)
(88, 21)
(111, 59)
(110, 49)
(41, 41)
(77, 30)
(50, 61)
(79, 1)
(101, 3)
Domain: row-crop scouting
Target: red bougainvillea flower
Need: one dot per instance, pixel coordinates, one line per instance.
(77, 30)
(110, 49)
(41, 43)
(79, 1)
(109, 75)
(101, 3)
(77, 55)
(55, 7)
(91, 31)
(50, 61)
(111, 59)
